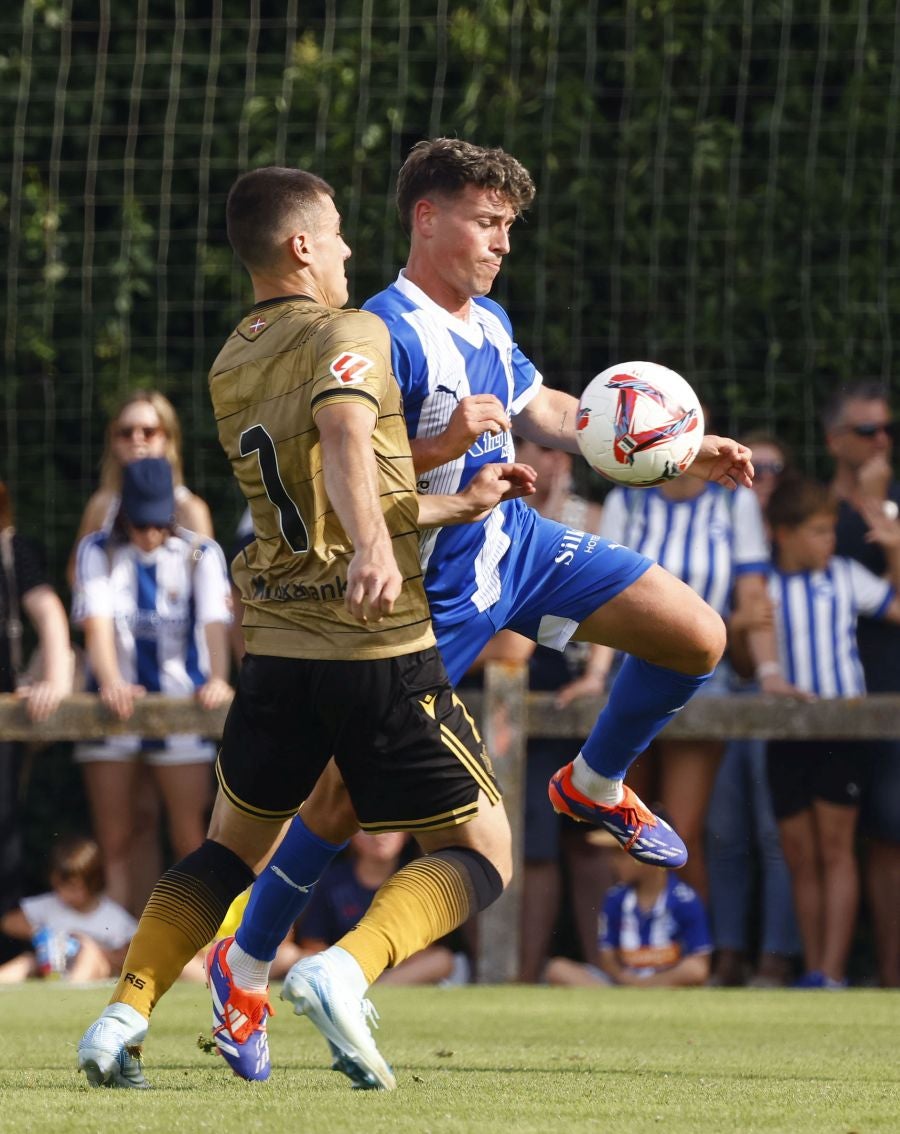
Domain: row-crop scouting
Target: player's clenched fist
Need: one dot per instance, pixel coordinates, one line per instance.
(476, 414)
(373, 584)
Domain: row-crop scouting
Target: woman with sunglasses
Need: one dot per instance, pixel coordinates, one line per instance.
(154, 603)
(144, 425)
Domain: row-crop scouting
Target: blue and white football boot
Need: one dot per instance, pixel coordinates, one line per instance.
(645, 836)
(239, 1018)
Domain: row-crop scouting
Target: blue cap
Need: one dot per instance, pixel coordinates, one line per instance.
(148, 496)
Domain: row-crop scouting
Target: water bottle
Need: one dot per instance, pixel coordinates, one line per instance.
(53, 951)
(43, 944)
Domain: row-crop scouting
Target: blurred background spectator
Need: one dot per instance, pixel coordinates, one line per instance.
(653, 933)
(859, 432)
(817, 785)
(143, 424)
(751, 905)
(154, 604)
(74, 930)
(25, 593)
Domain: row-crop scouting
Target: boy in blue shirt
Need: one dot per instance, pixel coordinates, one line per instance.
(653, 934)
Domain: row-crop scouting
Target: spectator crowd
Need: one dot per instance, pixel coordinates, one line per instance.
(788, 840)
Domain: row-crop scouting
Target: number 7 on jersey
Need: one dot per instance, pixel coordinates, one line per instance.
(257, 440)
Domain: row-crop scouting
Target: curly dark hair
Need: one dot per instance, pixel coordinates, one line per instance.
(445, 166)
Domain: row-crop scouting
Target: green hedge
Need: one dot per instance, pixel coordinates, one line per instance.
(715, 191)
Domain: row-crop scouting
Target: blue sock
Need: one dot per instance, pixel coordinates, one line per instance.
(281, 892)
(641, 701)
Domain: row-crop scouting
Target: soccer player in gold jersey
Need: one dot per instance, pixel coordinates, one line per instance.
(341, 659)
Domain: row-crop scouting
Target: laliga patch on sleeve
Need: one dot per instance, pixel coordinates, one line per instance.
(350, 369)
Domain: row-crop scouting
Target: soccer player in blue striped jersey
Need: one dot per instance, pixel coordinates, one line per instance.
(465, 382)
(816, 784)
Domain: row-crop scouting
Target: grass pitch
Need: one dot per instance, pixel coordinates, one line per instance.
(484, 1059)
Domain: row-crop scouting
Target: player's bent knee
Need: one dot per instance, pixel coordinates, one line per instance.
(487, 835)
(704, 649)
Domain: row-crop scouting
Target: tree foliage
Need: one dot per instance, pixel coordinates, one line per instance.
(715, 191)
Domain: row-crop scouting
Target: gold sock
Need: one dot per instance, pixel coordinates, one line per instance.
(416, 906)
(181, 916)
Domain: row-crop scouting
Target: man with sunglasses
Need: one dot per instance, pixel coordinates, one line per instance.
(859, 433)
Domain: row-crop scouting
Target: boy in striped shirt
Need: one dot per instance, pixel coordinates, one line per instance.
(816, 784)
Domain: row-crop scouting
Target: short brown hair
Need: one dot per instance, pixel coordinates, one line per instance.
(78, 857)
(796, 500)
(445, 166)
(262, 205)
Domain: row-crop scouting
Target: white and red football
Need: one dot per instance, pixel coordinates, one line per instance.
(639, 423)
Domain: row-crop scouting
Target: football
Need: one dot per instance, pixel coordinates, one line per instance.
(639, 423)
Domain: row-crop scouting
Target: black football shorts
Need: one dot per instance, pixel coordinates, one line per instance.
(406, 746)
(801, 771)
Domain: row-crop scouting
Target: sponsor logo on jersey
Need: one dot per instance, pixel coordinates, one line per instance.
(262, 591)
(571, 542)
(350, 369)
(489, 443)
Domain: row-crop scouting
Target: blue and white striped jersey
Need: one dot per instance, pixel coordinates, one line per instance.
(438, 360)
(650, 940)
(159, 603)
(816, 614)
(706, 541)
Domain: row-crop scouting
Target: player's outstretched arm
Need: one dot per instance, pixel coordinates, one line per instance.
(351, 481)
(724, 461)
(490, 485)
(549, 420)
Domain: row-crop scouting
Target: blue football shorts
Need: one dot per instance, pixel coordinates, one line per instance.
(553, 577)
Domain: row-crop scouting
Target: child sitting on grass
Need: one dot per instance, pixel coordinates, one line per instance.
(653, 934)
(76, 931)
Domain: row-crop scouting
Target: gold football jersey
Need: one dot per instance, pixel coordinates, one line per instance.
(282, 363)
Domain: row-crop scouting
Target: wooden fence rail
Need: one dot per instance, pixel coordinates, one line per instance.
(509, 715)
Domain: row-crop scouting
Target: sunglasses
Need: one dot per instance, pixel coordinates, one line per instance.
(870, 429)
(773, 468)
(148, 527)
(144, 432)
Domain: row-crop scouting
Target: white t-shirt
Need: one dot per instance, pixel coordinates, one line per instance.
(109, 924)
